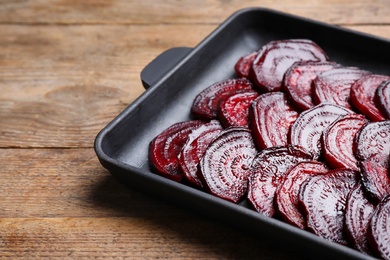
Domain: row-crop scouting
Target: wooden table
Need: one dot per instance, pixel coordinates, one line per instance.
(67, 68)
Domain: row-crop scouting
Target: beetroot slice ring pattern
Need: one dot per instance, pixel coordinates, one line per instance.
(268, 112)
(165, 148)
(379, 229)
(363, 93)
(276, 57)
(225, 166)
(323, 198)
(298, 80)
(268, 167)
(194, 148)
(358, 212)
(307, 129)
(287, 194)
(205, 105)
(372, 138)
(334, 86)
(382, 98)
(337, 141)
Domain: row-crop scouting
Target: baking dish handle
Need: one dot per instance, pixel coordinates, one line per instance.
(162, 64)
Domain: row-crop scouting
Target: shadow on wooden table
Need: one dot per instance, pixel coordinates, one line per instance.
(182, 231)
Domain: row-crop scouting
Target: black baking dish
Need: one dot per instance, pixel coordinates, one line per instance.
(178, 75)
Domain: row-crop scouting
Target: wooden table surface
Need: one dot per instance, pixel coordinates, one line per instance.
(67, 68)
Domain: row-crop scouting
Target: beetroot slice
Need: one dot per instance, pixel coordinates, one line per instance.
(379, 229)
(323, 199)
(165, 148)
(382, 99)
(363, 93)
(334, 86)
(270, 117)
(307, 129)
(268, 168)
(234, 110)
(206, 103)
(358, 212)
(197, 142)
(244, 64)
(225, 166)
(276, 57)
(375, 176)
(372, 138)
(337, 141)
(297, 81)
(287, 194)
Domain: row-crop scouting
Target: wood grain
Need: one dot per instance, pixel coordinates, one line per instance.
(62, 84)
(81, 211)
(67, 68)
(188, 12)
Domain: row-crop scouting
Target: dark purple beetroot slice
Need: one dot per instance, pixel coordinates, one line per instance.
(372, 138)
(244, 64)
(307, 129)
(297, 81)
(287, 194)
(323, 199)
(234, 110)
(358, 212)
(382, 99)
(206, 103)
(165, 149)
(268, 167)
(363, 93)
(193, 150)
(379, 229)
(270, 117)
(276, 57)
(375, 176)
(334, 86)
(337, 141)
(225, 166)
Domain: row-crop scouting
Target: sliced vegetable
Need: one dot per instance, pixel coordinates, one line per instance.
(165, 148)
(226, 164)
(274, 58)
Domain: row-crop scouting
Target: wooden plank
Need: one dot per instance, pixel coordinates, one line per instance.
(71, 182)
(61, 203)
(61, 84)
(172, 11)
(133, 238)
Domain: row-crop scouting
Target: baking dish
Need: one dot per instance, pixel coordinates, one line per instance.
(175, 77)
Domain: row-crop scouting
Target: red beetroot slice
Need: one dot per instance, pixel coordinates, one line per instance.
(206, 103)
(358, 212)
(307, 129)
(234, 110)
(323, 199)
(363, 93)
(270, 118)
(337, 141)
(193, 150)
(372, 138)
(382, 99)
(375, 176)
(334, 86)
(165, 148)
(276, 57)
(298, 78)
(268, 167)
(244, 64)
(287, 195)
(379, 229)
(225, 166)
